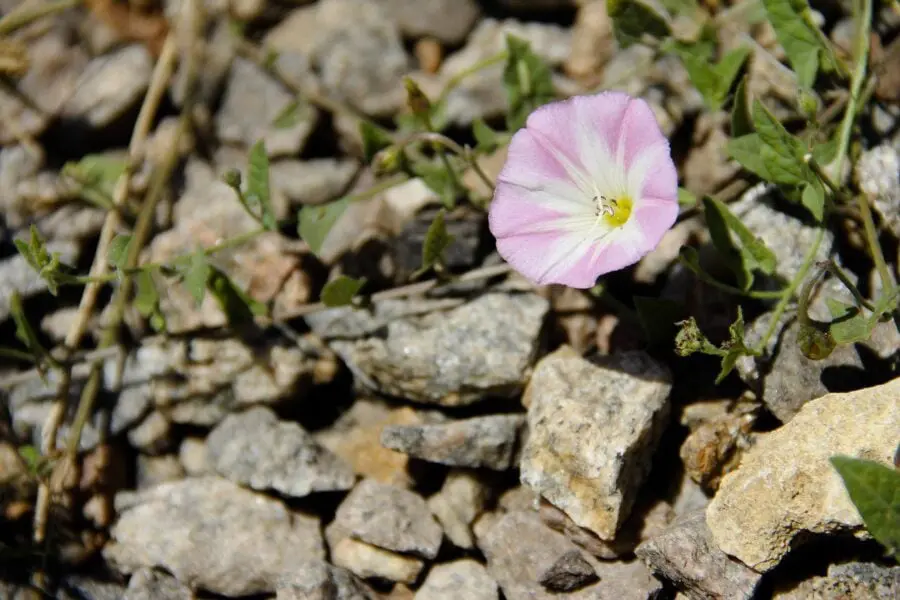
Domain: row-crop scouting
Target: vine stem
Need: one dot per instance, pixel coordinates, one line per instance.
(863, 19)
(50, 431)
(808, 262)
(25, 14)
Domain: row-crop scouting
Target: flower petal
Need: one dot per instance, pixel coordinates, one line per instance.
(516, 210)
(653, 173)
(532, 168)
(639, 131)
(551, 257)
(654, 217)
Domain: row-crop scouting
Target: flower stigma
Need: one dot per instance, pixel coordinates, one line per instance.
(614, 211)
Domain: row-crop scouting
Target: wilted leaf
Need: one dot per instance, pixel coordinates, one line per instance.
(874, 489)
(258, 195)
(801, 39)
(734, 348)
(632, 20)
(527, 81)
(341, 290)
(691, 340)
(316, 221)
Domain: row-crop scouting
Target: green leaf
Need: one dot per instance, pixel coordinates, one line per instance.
(146, 299)
(632, 20)
(434, 174)
(117, 253)
(486, 139)
(802, 41)
(747, 150)
(235, 303)
(813, 199)
(874, 489)
(741, 121)
(38, 258)
(734, 348)
(750, 252)
(341, 291)
(196, 275)
(658, 318)
(825, 152)
(527, 81)
(374, 139)
(316, 221)
(691, 340)
(290, 115)
(712, 81)
(25, 332)
(437, 240)
(97, 175)
(781, 153)
(686, 198)
(849, 325)
(258, 195)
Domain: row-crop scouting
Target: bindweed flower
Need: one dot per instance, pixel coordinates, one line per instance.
(588, 187)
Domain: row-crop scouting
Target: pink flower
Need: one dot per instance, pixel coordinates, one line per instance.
(589, 187)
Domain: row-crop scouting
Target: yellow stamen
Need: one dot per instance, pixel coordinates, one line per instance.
(617, 212)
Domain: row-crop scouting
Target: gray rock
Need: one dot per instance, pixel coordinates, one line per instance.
(356, 49)
(318, 580)
(368, 561)
(463, 578)
(788, 238)
(878, 175)
(77, 588)
(152, 584)
(521, 552)
(570, 572)
(481, 95)
(152, 435)
(388, 517)
(686, 555)
(482, 348)
(786, 490)
(254, 448)
(194, 457)
(592, 430)
(489, 441)
(252, 103)
(859, 581)
(16, 274)
(154, 470)
(349, 323)
(459, 502)
(216, 536)
(110, 86)
(463, 253)
(55, 63)
(448, 21)
(313, 181)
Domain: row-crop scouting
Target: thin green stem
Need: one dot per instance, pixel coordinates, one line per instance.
(730, 289)
(835, 270)
(457, 79)
(25, 15)
(782, 305)
(437, 138)
(863, 18)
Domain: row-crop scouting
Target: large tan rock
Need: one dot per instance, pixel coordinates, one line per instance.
(786, 485)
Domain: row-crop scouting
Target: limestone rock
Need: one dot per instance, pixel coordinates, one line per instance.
(686, 555)
(463, 578)
(211, 534)
(152, 584)
(388, 517)
(592, 429)
(255, 448)
(786, 488)
(366, 561)
(859, 581)
(477, 442)
(318, 580)
(482, 348)
(459, 502)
